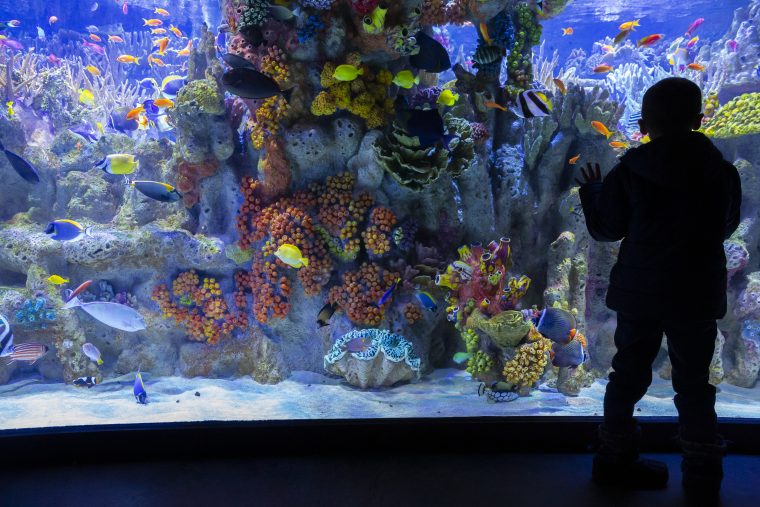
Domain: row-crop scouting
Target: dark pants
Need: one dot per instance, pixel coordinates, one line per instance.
(690, 345)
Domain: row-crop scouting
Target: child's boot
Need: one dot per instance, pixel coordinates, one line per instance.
(702, 468)
(617, 461)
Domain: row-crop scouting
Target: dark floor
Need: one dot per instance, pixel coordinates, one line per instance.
(556, 480)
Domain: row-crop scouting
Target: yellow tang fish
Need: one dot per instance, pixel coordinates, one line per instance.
(92, 70)
(86, 97)
(9, 105)
(57, 280)
(347, 72)
(448, 98)
(405, 79)
(291, 255)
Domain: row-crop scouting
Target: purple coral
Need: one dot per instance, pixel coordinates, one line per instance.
(425, 96)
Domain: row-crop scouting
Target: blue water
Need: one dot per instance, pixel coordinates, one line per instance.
(592, 20)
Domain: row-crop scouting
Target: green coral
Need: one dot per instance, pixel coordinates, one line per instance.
(528, 34)
(739, 117)
(414, 166)
(344, 252)
(480, 363)
(471, 340)
(506, 329)
(202, 96)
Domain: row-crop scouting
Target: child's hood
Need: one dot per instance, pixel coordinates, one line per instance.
(670, 160)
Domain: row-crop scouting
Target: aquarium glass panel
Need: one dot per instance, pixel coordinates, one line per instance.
(259, 210)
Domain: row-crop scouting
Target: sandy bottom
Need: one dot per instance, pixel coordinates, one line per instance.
(305, 395)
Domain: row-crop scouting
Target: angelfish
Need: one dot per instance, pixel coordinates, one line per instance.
(6, 337)
(114, 315)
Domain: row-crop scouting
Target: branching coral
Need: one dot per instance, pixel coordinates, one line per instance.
(739, 117)
(199, 306)
(365, 96)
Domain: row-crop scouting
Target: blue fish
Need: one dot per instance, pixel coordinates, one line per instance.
(148, 83)
(556, 324)
(387, 295)
(569, 354)
(427, 301)
(66, 230)
(141, 395)
(150, 107)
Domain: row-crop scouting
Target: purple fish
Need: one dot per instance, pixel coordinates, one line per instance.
(695, 25)
(732, 45)
(94, 47)
(11, 44)
(359, 344)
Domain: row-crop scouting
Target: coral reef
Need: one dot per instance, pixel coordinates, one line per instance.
(739, 117)
(35, 313)
(387, 359)
(529, 363)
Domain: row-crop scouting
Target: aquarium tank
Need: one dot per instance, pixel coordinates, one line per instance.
(256, 210)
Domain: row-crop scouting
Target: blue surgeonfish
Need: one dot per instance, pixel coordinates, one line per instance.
(141, 395)
(427, 301)
(66, 230)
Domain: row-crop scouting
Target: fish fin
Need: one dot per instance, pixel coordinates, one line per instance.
(287, 93)
(88, 231)
(304, 261)
(72, 303)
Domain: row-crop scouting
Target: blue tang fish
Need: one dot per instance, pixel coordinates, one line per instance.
(387, 295)
(141, 395)
(66, 230)
(427, 301)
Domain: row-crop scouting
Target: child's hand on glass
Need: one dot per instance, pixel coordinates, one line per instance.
(590, 175)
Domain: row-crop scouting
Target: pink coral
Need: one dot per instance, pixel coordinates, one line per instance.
(363, 7)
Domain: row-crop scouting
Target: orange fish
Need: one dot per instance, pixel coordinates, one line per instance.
(601, 128)
(163, 102)
(79, 145)
(176, 31)
(603, 69)
(649, 40)
(574, 160)
(115, 38)
(128, 59)
(696, 66)
(618, 145)
(152, 22)
(629, 26)
(484, 33)
(158, 31)
(152, 59)
(134, 113)
(161, 12)
(494, 105)
(95, 38)
(161, 43)
(567, 31)
(560, 86)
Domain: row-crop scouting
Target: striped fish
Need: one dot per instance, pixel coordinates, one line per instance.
(533, 103)
(486, 55)
(29, 352)
(632, 125)
(6, 337)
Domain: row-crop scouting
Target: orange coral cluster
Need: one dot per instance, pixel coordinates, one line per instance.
(377, 237)
(274, 168)
(189, 177)
(412, 312)
(361, 291)
(200, 307)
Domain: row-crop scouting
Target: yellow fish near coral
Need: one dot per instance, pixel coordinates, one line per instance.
(11, 112)
(57, 280)
(347, 72)
(448, 98)
(92, 70)
(86, 97)
(406, 79)
(374, 22)
(291, 255)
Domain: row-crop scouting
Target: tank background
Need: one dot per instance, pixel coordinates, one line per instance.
(139, 244)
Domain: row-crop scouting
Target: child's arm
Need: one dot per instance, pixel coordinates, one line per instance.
(605, 204)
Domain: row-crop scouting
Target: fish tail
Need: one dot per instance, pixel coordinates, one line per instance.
(305, 261)
(88, 231)
(72, 303)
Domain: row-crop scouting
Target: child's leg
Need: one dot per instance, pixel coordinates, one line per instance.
(638, 341)
(691, 346)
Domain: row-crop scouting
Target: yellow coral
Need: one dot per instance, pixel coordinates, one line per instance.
(326, 79)
(267, 119)
(323, 105)
(529, 363)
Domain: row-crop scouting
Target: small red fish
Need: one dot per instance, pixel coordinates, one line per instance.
(650, 40)
(602, 69)
(494, 105)
(54, 59)
(78, 290)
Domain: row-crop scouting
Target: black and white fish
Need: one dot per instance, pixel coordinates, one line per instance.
(532, 104)
(632, 125)
(87, 382)
(497, 392)
(6, 337)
